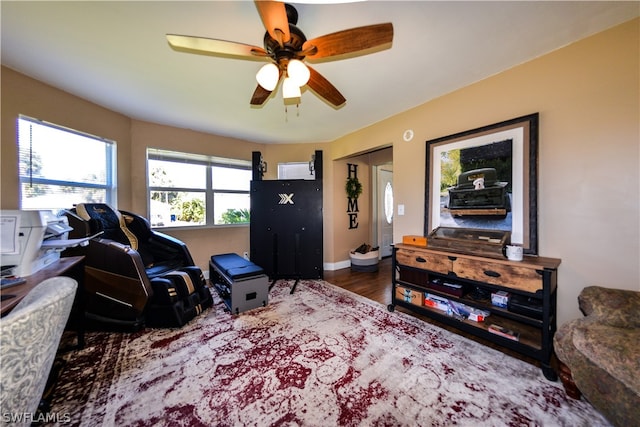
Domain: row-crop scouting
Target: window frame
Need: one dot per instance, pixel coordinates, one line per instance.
(110, 186)
(209, 191)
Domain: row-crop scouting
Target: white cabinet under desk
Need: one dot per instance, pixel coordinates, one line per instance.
(455, 284)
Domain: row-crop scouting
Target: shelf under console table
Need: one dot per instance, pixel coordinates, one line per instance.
(445, 285)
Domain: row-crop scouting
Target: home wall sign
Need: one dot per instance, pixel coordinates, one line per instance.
(353, 189)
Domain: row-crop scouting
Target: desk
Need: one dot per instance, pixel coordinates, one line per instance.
(71, 266)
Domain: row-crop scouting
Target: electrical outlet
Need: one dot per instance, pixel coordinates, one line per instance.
(246, 256)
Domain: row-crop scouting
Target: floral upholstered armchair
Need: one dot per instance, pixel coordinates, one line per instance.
(29, 339)
(600, 353)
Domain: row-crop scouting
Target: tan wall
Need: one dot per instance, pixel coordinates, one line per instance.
(345, 238)
(22, 95)
(286, 153)
(202, 242)
(587, 95)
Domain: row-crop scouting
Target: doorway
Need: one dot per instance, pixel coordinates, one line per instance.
(383, 208)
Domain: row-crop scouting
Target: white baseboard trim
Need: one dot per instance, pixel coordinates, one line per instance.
(330, 266)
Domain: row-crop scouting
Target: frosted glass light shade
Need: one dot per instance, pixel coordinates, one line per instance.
(268, 76)
(298, 72)
(290, 89)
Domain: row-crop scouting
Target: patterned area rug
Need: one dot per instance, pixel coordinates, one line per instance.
(320, 357)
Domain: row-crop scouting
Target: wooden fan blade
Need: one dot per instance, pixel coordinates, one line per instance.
(206, 46)
(274, 18)
(324, 89)
(260, 95)
(354, 40)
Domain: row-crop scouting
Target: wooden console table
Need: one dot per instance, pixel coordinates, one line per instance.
(454, 277)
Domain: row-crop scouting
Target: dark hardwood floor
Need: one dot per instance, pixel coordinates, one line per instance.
(377, 287)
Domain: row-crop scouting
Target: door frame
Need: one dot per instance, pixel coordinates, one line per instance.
(375, 205)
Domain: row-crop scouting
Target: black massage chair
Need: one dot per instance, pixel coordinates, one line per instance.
(135, 276)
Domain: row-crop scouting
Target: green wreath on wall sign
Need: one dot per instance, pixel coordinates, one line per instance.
(353, 188)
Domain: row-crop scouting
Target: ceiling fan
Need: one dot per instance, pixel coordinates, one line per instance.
(285, 48)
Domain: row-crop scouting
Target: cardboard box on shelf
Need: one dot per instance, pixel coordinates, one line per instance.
(500, 299)
(415, 241)
(409, 295)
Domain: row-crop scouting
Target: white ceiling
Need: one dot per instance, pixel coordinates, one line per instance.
(115, 54)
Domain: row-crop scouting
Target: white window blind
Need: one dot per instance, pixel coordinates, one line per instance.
(60, 167)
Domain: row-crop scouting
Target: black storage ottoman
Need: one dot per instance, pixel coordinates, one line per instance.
(241, 284)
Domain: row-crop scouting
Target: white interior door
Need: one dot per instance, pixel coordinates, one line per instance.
(384, 208)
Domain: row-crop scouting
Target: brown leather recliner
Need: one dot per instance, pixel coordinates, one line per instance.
(135, 276)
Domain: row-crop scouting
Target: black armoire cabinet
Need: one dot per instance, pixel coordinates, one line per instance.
(286, 224)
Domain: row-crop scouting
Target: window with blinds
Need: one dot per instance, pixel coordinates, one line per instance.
(60, 167)
(191, 189)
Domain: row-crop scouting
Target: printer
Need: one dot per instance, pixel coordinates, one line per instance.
(32, 239)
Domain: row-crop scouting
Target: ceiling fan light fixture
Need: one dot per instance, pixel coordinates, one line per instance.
(268, 76)
(298, 72)
(285, 48)
(290, 89)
